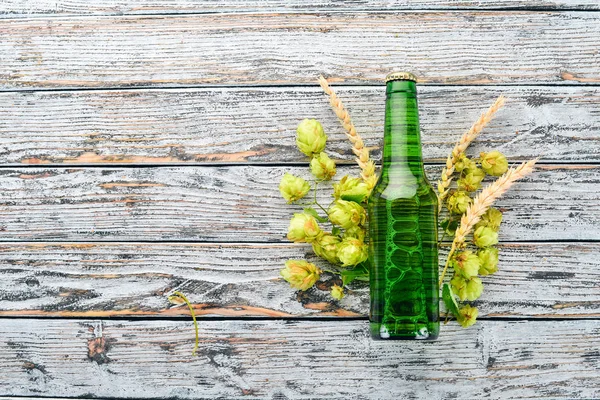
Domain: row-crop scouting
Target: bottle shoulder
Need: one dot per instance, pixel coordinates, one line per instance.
(421, 188)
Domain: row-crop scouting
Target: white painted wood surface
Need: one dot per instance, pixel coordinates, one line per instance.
(243, 203)
(258, 49)
(200, 99)
(179, 126)
(297, 360)
(536, 280)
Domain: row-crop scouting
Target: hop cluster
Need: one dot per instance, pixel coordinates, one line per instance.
(469, 264)
(337, 233)
(342, 246)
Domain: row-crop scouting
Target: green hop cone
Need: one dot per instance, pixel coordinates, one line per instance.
(466, 264)
(464, 163)
(292, 187)
(300, 274)
(303, 228)
(489, 260)
(310, 137)
(467, 289)
(322, 167)
(337, 292)
(467, 315)
(471, 181)
(347, 214)
(492, 219)
(326, 246)
(458, 202)
(485, 237)
(352, 251)
(355, 232)
(351, 189)
(494, 163)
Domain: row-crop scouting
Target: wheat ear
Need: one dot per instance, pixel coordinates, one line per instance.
(483, 201)
(358, 146)
(461, 146)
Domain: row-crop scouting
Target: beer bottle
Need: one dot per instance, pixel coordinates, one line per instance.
(402, 208)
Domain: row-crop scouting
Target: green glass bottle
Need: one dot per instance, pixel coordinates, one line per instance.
(403, 247)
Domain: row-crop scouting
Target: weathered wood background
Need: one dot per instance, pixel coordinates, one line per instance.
(141, 143)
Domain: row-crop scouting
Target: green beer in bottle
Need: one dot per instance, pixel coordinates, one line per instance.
(403, 247)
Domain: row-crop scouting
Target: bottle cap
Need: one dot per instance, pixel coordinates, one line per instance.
(400, 76)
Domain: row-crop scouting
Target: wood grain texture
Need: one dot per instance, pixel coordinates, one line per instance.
(11, 8)
(243, 204)
(536, 280)
(243, 49)
(294, 360)
(190, 126)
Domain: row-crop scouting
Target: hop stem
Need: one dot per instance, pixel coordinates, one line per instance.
(193, 317)
(461, 146)
(482, 202)
(358, 147)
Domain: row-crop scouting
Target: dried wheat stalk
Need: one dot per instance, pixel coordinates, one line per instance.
(461, 146)
(358, 147)
(482, 202)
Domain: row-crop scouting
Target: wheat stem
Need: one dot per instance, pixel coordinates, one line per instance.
(358, 147)
(482, 202)
(461, 146)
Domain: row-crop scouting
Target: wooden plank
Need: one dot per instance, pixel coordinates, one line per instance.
(510, 47)
(45, 398)
(137, 7)
(243, 204)
(296, 359)
(188, 126)
(536, 280)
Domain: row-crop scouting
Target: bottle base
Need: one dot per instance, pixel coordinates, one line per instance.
(420, 332)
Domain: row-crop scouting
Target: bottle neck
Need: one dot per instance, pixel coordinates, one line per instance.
(402, 159)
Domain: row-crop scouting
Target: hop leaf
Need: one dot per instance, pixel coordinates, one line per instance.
(314, 213)
(359, 273)
(449, 300)
(310, 137)
(466, 289)
(292, 187)
(352, 251)
(485, 237)
(300, 274)
(492, 219)
(322, 167)
(337, 292)
(303, 228)
(459, 202)
(466, 264)
(467, 315)
(449, 226)
(326, 246)
(347, 214)
(494, 163)
(489, 260)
